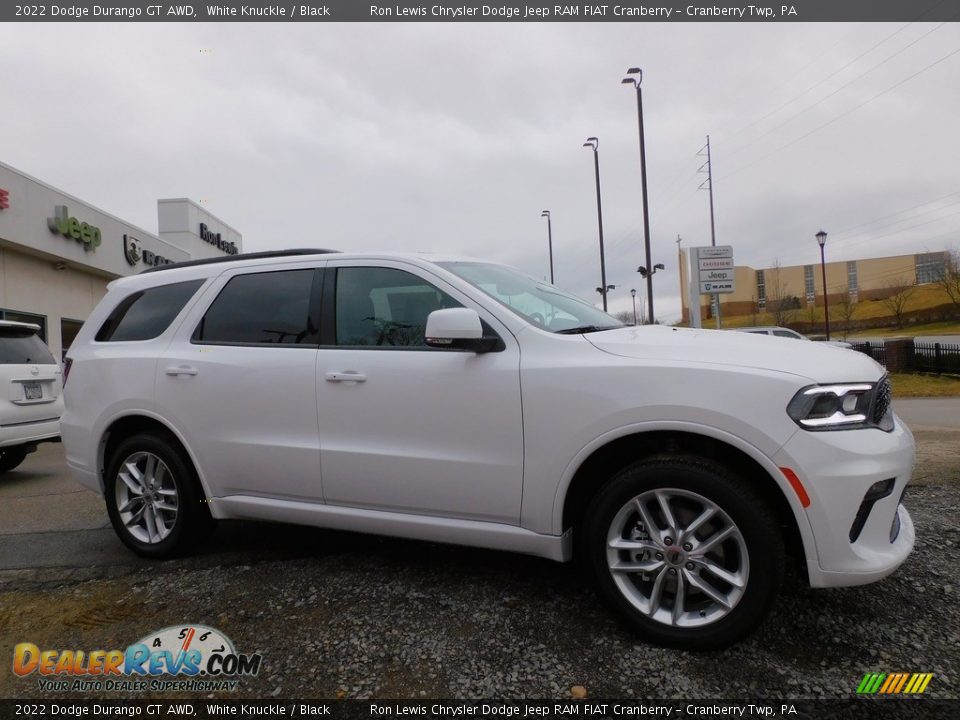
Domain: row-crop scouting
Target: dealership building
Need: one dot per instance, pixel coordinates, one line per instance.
(58, 253)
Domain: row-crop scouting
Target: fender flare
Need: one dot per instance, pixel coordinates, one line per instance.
(140, 412)
(799, 514)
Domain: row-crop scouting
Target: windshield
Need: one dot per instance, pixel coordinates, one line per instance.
(538, 302)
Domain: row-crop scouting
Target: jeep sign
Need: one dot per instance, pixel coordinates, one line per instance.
(62, 224)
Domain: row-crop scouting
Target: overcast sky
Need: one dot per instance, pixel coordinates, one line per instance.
(454, 137)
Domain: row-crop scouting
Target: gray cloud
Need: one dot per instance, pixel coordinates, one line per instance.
(453, 138)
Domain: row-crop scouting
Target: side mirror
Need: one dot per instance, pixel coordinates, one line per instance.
(457, 329)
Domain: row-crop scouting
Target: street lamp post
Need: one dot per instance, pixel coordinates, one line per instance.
(633, 294)
(643, 180)
(822, 240)
(593, 143)
(546, 214)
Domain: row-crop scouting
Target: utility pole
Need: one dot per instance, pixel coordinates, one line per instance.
(713, 233)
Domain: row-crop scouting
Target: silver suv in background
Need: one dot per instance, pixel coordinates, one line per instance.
(31, 401)
(788, 333)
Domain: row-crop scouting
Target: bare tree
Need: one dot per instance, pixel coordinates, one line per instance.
(780, 303)
(812, 316)
(626, 317)
(896, 300)
(846, 309)
(949, 282)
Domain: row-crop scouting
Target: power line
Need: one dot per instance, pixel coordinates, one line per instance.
(899, 212)
(847, 243)
(849, 82)
(901, 230)
(841, 115)
(822, 80)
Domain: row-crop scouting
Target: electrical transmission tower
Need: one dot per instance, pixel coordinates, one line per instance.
(707, 184)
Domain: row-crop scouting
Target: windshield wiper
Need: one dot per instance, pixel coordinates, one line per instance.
(585, 329)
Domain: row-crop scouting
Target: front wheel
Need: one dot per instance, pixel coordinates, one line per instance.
(684, 551)
(153, 497)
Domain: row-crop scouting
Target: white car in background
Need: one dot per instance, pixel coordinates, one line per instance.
(788, 333)
(460, 401)
(31, 400)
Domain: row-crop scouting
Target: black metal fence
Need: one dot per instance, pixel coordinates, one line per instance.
(926, 357)
(936, 358)
(875, 350)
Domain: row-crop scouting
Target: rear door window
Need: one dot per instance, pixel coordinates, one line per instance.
(269, 308)
(146, 314)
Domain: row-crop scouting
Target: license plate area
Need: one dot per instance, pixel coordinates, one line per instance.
(32, 391)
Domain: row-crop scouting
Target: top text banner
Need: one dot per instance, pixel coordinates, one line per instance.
(410, 11)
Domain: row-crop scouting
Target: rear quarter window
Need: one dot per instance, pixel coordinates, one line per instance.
(147, 313)
(23, 347)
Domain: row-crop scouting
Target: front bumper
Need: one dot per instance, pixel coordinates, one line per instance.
(837, 468)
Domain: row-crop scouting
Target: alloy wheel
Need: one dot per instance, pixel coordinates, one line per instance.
(677, 557)
(146, 497)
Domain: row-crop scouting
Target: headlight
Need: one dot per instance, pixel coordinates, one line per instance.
(843, 407)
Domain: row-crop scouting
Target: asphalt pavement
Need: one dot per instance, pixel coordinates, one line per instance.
(929, 412)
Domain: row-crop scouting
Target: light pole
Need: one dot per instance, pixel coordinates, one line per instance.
(546, 214)
(593, 143)
(633, 294)
(643, 180)
(602, 292)
(648, 275)
(822, 240)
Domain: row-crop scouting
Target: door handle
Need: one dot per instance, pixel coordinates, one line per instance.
(346, 376)
(182, 370)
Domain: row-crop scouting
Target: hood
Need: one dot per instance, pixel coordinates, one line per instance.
(819, 362)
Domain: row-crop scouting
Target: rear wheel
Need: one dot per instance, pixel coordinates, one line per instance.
(684, 551)
(153, 497)
(11, 457)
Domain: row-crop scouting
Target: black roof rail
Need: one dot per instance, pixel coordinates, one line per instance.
(241, 256)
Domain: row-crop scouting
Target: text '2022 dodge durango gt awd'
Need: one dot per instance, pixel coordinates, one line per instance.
(461, 401)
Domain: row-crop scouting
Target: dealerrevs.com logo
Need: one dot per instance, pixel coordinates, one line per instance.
(199, 658)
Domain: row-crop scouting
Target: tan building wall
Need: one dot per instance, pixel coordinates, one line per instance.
(34, 285)
(876, 277)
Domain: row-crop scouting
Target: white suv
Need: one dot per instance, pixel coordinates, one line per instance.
(31, 401)
(461, 401)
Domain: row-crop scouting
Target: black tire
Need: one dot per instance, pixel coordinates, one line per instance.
(11, 457)
(193, 522)
(691, 477)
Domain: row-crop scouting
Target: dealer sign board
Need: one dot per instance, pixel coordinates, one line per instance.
(715, 269)
(711, 273)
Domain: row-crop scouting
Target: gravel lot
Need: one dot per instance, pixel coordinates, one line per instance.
(357, 616)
